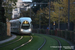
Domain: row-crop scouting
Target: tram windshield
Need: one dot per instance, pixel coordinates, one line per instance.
(25, 25)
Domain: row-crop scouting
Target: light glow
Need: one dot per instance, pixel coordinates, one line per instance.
(29, 29)
(21, 29)
(25, 22)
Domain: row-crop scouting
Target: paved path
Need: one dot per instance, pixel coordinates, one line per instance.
(11, 38)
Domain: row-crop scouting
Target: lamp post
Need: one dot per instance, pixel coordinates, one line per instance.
(59, 19)
(40, 22)
(49, 14)
(68, 14)
(49, 11)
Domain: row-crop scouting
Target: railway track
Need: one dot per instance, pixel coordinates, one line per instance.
(24, 43)
(39, 42)
(12, 42)
(59, 43)
(43, 43)
(62, 45)
(21, 41)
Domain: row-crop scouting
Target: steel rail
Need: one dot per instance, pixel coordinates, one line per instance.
(43, 43)
(12, 42)
(24, 43)
(71, 44)
(59, 43)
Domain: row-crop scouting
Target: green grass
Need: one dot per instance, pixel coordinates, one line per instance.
(50, 42)
(11, 41)
(63, 43)
(38, 41)
(16, 44)
(34, 44)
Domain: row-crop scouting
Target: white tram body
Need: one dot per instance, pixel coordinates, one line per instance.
(22, 25)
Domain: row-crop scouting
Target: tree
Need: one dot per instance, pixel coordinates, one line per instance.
(59, 9)
(27, 14)
(38, 6)
(4, 7)
(8, 6)
(45, 15)
(64, 11)
(2, 21)
(2, 11)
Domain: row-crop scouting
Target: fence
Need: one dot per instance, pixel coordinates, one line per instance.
(69, 35)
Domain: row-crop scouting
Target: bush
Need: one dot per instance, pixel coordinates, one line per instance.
(3, 30)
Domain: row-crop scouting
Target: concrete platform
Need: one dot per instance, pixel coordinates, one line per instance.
(9, 39)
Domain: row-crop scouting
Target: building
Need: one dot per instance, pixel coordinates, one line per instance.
(19, 5)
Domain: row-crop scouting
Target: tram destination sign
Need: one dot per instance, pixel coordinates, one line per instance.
(25, 24)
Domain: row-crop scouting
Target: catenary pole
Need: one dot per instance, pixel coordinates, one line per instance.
(49, 14)
(68, 14)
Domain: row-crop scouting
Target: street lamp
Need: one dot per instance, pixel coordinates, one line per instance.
(68, 14)
(59, 17)
(49, 14)
(40, 21)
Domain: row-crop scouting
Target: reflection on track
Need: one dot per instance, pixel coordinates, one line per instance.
(24, 43)
(12, 42)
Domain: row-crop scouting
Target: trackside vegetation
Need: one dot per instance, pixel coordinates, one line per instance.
(69, 35)
(36, 43)
(18, 37)
(16, 44)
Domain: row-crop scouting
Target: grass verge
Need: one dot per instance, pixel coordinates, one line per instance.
(65, 44)
(16, 44)
(34, 44)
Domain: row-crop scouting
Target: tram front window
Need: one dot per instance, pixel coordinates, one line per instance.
(25, 25)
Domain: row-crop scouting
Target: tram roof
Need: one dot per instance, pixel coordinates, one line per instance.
(22, 19)
(25, 18)
(14, 20)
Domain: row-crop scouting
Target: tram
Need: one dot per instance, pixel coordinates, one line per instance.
(22, 25)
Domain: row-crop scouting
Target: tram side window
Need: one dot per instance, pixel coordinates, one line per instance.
(11, 24)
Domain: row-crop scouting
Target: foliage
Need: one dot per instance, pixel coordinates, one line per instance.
(8, 6)
(72, 11)
(5, 7)
(2, 11)
(42, 16)
(45, 15)
(61, 9)
(57, 9)
(38, 6)
(27, 14)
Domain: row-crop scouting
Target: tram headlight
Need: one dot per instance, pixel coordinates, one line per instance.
(21, 29)
(29, 29)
